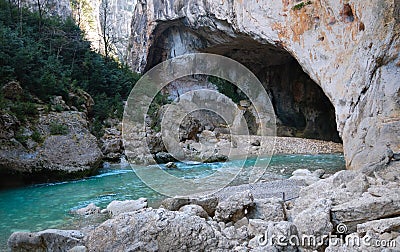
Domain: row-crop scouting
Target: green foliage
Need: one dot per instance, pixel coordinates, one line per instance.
(158, 101)
(23, 110)
(97, 129)
(37, 137)
(50, 57)
(227, 88)
(58, 129)
(299, 6)
(3, 102)
(58, 108)
(20, 137)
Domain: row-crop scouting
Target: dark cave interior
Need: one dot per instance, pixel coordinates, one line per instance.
(301, 106)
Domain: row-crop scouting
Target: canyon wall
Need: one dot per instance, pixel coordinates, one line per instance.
(349, 48)
(98, 18)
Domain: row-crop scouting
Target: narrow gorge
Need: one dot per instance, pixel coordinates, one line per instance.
(330, 169)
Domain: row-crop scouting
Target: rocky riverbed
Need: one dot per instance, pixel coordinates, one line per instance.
(331, 209)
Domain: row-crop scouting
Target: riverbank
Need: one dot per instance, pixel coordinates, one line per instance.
(346, 204)
(224, 146)
(38, 207)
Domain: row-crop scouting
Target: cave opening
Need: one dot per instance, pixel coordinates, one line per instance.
(301, 106)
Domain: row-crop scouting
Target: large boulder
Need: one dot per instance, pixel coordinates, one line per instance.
(117, 207)
(380, 226)
(164, 157)
(235, 207)
(81, 100)
(112, 146)
(65, 149)
(271, 236)
(48, 240)
(305, 175)
(209, 204)
(58, 103)
(378, 203)
(157, 230)
(315, 221)
(271, 209)
(194, 210)
(214, 158)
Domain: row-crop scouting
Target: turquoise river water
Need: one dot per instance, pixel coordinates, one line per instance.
(44, 206)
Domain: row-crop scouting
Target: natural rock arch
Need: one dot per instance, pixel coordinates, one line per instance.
(349, 49)
(301, 106)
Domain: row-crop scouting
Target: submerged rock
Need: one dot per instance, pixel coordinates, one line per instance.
(164, 157)
(171, 165)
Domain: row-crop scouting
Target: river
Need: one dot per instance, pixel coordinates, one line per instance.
(43, 206)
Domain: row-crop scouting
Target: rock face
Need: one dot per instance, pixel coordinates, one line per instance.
(58, 146)
(117, 207)
(90, 16)
(235, 207)
(52, 7)
(349, 49)
(112, 146)
(157, 230)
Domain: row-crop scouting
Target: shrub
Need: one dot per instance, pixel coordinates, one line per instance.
(58, 108)
(158, 101)
(97, 129)
(3, 103)
(58, 129)
(20, 137)
(24, 110)
(227, 88)
(49, 56)
(37, 137)
(299, 6)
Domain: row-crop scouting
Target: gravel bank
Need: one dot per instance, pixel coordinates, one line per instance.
(261, 146)
(293, 145)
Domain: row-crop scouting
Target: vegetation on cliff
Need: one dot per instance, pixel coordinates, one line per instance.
(50, 57)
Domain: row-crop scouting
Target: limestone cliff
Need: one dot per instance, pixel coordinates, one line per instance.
(90, 16)
(349, 48)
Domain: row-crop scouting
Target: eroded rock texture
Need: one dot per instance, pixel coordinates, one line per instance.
(350, 49)
(65, 149)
